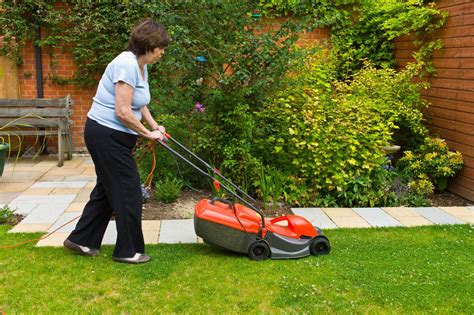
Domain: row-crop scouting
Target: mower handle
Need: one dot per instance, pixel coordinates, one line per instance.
(227, 202)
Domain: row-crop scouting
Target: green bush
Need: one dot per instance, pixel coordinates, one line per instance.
(6, 215)
(330, 136)
(168, 189)
(430, 165)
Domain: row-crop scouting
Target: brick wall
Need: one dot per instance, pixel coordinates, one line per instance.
(452, 90)
(65, 67)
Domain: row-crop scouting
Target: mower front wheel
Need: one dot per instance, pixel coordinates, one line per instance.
(320, 246)
(259, 251)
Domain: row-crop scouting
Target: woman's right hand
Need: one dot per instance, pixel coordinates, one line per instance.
(155, 135)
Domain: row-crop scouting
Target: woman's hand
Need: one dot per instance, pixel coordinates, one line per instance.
(155, 135)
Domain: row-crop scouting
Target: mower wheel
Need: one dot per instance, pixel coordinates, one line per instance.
(320, 246)
(259, 251)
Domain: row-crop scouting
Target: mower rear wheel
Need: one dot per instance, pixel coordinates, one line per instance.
(320, 246)
(259, 251)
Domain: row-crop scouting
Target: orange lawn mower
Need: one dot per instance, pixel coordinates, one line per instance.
(243, 228)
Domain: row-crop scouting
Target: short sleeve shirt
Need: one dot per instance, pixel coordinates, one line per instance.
(123, 68)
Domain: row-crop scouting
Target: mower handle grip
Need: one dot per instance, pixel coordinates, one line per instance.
(227, 202)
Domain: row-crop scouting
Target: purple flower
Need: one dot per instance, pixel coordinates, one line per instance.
(198, 107)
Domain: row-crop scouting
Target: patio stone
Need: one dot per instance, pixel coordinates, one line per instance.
(76, 207)
(19, 177)
(22, 208)
(55, 240)
(74, 163)
(37, 191)
(65, 217)
(59, 184)
(407, 216)
(151, 231)
(65, 191)
(45, 163)
(83, 195)
(345, 217)
(7, 197)
(81, 177)
(14, 187)
(462, 213)
(91, 184)
(29, 228)
(65, 171)
(471, 208)
(177, 231)
(437, 216)
(48, 199)
(90, 171)
(45, 213)
(376, 217)
(316, 216)
(110, 236)
(52, 178)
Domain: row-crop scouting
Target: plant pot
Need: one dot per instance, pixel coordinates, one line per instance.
(3, 154)
(390, 149)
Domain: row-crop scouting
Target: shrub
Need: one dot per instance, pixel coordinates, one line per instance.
(168, 189)
(330, 136)
(430, 164)
(6, 215)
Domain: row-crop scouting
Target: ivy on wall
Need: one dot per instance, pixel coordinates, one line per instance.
(365, 29)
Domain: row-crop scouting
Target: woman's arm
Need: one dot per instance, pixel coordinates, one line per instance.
(150, 120)
(123, 109)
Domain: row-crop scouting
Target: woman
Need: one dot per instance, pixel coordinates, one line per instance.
(112, 128)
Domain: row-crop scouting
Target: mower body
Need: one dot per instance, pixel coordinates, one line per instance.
(238, 228)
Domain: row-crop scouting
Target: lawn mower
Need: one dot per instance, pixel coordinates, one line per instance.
(243, 228)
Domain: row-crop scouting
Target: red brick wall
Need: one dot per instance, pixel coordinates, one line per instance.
(452, 90)
(65, 67)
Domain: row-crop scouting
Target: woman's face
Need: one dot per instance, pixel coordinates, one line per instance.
(154, 55)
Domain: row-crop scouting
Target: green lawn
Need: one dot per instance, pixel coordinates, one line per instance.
(426, 269)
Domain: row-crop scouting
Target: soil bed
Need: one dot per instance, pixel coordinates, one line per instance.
(183, 208)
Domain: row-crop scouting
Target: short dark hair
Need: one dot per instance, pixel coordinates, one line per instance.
(146, 36)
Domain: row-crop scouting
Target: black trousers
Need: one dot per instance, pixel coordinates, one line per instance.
(117, 191)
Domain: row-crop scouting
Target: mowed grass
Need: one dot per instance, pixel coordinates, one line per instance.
(392, 270)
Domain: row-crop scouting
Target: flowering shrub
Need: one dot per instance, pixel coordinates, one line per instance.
(432, 162)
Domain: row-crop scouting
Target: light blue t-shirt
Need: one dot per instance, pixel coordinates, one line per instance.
(123, 68)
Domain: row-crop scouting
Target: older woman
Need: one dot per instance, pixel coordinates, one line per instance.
(111, 131)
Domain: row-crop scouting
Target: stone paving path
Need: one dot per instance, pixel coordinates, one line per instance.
(49, 196)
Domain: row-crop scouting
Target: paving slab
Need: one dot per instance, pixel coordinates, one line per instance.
(65, 171)
(23, 208)
(81, 177)
(45, 213)
(437, 216)
(461, 213)
(55, 240)
(376, 217)
(20, 176)
(177, 231)
(110, 236)
(471, 208)
(37, 191)
(345, 217)
(29, 228)
(59, 184)
(316, 216)
(65, 217)
(14, 187)
(48, 199)
(76, 207)
(7, 197)
(407, 216)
